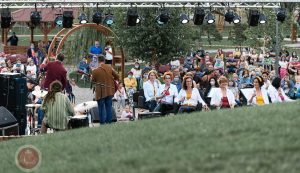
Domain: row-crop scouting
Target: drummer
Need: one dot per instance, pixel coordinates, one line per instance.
(57, 108)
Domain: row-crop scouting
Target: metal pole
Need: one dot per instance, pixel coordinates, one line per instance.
(277, 50)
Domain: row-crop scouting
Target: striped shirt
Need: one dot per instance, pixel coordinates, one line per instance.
(57, 113)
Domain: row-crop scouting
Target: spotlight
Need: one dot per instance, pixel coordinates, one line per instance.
(35, 18)
(280, 16)
(132, 17)
(262, 18)
(5, 18)
(139, 19)
(253, 17)
(229, 16)
(210, 18)
(59, 20)
(184, 19)
(236, 19)
(68, 19)
(83, 18)
(97, 17)
(109, 19)
(199, 15)
(163, 18)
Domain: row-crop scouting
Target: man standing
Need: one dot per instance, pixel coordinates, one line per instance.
(104, 77)
(13, 40)
(95, 50)
(55, 71)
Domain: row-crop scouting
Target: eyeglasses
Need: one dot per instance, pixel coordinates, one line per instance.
(188, 81)
(167, 78)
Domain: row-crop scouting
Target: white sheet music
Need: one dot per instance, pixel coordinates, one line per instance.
(247, 92)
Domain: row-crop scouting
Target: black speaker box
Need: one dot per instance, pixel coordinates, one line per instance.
(8, 123)
(13, 96)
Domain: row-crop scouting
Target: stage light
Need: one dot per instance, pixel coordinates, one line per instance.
(109, 19)
(35, 18)
(210, 18)
(132, 17)
(163, 18)
(68, 19)
(253, 17)
(184, 19)
(138, 20)
(199, 15)
(236, 19)
(83, 18)
(5, 18)
(59, 20)
(229, 16)
(280, 16)
(262, 18)
(97, 17)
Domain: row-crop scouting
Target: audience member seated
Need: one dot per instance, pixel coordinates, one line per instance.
(276, 93)
(31, 69)
(260, 94)
(151, 89)
(231, 64)
(120, 96)
(223, 97)
(18, 67)
(130, 83)
(189, 96)
(127, 113)
(167, 93)
(245, 79)
(94, 63)
(83, 67)
(137, 73)
(57, 108)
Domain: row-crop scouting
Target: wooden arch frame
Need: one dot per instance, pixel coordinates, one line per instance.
(104, 30)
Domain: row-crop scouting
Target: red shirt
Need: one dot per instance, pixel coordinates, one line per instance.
(55, 71)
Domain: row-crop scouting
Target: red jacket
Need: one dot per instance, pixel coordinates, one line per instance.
(55, 71)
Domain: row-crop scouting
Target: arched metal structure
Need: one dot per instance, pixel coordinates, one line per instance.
(64, 33)
(107, 32)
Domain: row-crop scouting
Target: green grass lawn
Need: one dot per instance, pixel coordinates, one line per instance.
(249, 139)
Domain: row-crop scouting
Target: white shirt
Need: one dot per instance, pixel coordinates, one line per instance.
(120, 94)
(136, 73)
(151, 92)
(108, 55)
(32, 69)
(264, 94)
(217, 96)
(275, 98)
(21, 66)
(195, 98)
(173, 93)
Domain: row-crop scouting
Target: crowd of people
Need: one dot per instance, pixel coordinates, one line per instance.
(197, 81)
(201, 80)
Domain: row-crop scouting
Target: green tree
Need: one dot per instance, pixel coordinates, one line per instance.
(149, 40)
(238, 37)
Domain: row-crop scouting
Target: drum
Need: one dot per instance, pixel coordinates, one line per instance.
(79, 121)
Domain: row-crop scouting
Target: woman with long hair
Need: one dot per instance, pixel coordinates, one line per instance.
(57, 108)
(151, 89)
(260, 94)
(276, 93)
(189, 96)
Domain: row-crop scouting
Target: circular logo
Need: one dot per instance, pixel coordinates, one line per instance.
(28, 158)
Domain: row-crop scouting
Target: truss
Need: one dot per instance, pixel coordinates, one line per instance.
(143, 3)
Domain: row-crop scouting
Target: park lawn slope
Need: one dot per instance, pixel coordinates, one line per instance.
(248, 139)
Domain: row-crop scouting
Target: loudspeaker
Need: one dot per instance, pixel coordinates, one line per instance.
(6, 118)
(95, 114)
(13, 96)
(147, 115)
(8, 123)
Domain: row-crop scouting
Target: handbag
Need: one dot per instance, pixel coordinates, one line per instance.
(116, 83)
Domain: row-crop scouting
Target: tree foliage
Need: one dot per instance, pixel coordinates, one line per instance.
(149, 40)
